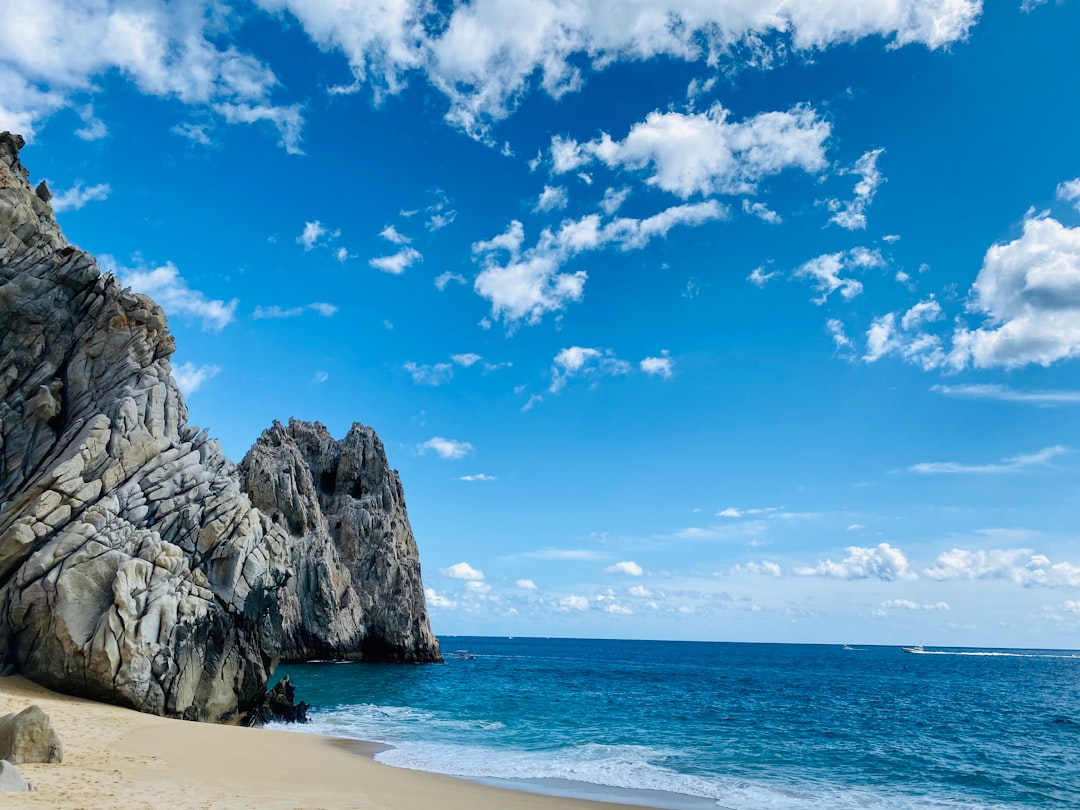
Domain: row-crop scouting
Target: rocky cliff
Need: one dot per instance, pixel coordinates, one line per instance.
(356, 592)
(133, 568)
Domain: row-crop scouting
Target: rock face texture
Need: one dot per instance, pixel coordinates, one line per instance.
(133, 567)
(356, 590)
(28, 736)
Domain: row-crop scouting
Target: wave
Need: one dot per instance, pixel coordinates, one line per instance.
(996, 654)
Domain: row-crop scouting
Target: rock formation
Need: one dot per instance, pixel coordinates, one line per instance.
(133, 568)
(28, 736)
(356, 592)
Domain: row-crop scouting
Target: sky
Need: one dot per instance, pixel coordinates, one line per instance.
(737, 320)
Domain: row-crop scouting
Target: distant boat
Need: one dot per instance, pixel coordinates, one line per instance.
(464, 654)
(849, 648)
(918, 648)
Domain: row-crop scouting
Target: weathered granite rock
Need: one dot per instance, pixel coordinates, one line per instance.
(11, 779)
(357, 591)
(133, 569)
(28, 736)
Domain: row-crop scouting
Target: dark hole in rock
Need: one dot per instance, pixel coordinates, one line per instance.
(328, 482)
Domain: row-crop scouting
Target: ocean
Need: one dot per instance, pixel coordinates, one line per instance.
(685, 725)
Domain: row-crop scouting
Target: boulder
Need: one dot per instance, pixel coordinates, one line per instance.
(278, 706)
(28, 736)
(11, 780)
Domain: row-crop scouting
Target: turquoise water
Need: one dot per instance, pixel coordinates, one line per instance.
(740, 726)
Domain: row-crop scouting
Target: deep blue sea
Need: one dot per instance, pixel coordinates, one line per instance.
(740, 726)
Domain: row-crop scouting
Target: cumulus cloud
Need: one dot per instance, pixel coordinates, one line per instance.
(76, 197)
(1029, 292)
(526, 585)
(628, 567)
(314, 234)
(478, 477)
(463, 570)
(436, 600)
(662, 366)
(58, 50)
(761, 211)
(574, 603)
(851, 214)
(392, 235)
(1006, 465)
(1069, 191)
(1021, 566)
(189, 377)
(825, 272)
(397, 263)
(525, 284)
(765, 567)
(466, 359)
(171, 291)
(882, 562)
(759, 278)
(639, 592)
(446, 448)
(704, 153)
(581, 361)
(1004, 393)
(552, 198)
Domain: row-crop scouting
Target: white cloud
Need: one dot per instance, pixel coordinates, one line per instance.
(275, 312)
(477, 587)
(703, 153)
(765, 568)
(662, 366)
(76, 197)
(320, 377)
(882, 562)
(523, 285)
(851, 214)
(436, 600)
(443, 280)
(57, 50)
(761, 211)
(1027, 6)
(730, 512)
(580, 361)
(840, 339)
(640, 592)
(478, 477)
(574, 603)
(907, 604)
(825, 272)
(289, 121)
(313, 234)
(397, 263)
(1069, 191)
(189, 377)
(628, 567)
(552, 198)
(759, 278)
(613, 199)
(526, 585)
(169, 289)
(196, 133)
(446, 448)
(463, 570)
(1029, 292)
(436, 374)
(391, 234)
(1019, 565)
(1007, 465)
(467, 359)
(485, 55)
(1004, 393)
(908, 338)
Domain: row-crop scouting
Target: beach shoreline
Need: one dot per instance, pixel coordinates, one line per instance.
(116, 757)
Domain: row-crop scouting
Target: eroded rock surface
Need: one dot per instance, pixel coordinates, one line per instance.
(357, 591)
(133, 569)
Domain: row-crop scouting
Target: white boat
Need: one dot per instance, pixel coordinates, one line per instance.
(918, 648)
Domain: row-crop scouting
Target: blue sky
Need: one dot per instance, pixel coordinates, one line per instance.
(744, 320)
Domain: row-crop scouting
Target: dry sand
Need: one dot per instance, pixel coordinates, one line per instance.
(118, 758)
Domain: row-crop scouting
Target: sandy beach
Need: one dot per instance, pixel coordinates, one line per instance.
(116, 757)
